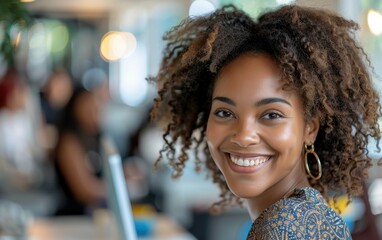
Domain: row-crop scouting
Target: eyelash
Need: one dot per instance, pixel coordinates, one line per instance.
(219, 113)
(278, 115)
(222, 113)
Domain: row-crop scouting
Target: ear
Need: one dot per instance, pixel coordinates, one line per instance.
(311, 130)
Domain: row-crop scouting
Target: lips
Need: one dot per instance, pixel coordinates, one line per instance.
(248, 161)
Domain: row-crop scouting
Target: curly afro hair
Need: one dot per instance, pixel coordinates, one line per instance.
(319, 60)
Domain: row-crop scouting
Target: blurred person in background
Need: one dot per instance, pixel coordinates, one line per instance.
(78, 162)
(16, 147)
(25, 175)
(77, 157)
(54, 96)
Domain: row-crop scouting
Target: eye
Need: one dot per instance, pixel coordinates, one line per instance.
(273, 115)
(223, 113)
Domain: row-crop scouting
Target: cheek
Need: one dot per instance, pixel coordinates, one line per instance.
(213, 137)
(215, 131)
(289, 138)
(215, 155)
(210, 136)
(285, 133)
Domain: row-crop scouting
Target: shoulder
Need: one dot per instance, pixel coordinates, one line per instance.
(68, 144)
(67, 138)
(304, 215)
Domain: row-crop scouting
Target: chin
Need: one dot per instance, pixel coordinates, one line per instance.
(245, 192)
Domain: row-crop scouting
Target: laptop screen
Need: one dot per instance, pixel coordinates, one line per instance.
(118, 197)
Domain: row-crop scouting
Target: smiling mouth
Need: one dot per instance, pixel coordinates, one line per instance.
(248, 161)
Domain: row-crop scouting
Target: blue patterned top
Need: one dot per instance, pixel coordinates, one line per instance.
(303, 215)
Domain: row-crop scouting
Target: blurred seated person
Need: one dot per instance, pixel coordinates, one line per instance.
(26, 177)
(54, 96)
(77, 155)
(20, 152)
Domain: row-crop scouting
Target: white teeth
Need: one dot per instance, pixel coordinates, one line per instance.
(240, 162)
(245, 162)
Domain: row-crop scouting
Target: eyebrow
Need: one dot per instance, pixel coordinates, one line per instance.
(264, 101)
(272, 100)
(225, 100)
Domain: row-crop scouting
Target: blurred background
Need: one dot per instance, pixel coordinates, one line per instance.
(72, 71)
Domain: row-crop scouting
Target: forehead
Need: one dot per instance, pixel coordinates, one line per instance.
(249, 72)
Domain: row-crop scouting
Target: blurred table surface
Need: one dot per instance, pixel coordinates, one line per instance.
(84, 228)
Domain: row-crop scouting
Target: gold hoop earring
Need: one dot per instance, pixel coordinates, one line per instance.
(310, 150)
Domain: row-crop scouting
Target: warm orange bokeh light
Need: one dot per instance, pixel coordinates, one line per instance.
(117, 45)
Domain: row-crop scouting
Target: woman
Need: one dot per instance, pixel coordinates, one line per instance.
(283, 108)
(78, 161)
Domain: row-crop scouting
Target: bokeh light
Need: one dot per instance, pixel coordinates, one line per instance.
(15, 34)
(283, 2)
(117, 45)
(59, 37)
(37, 42)
(374, 20)
(133, 86)
(200, 8)
(93, 77)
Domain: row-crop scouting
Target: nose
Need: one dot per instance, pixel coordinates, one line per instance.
(245, 134)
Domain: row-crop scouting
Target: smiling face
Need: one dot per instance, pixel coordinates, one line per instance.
(256, 130)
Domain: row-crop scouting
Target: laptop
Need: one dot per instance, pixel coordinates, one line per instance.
(118, 197)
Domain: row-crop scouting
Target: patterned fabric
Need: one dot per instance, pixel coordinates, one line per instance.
(303, 215)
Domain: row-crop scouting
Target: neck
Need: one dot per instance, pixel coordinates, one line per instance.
(278, 191)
